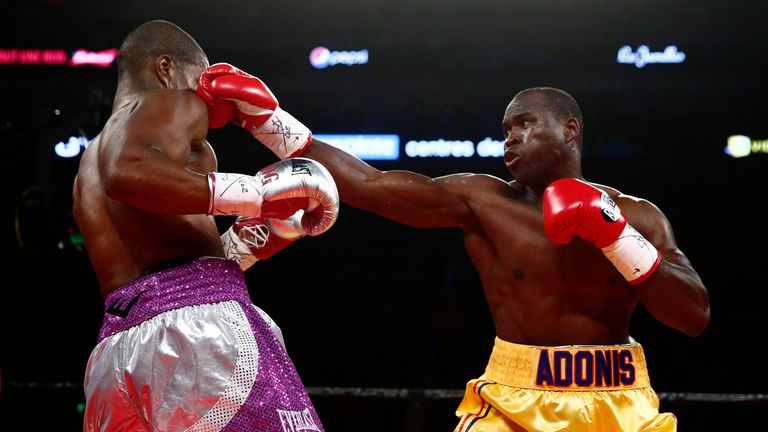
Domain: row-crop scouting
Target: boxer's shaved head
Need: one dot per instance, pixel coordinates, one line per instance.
(153, 39)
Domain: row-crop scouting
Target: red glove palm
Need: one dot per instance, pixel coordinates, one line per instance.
(220, 112)
(251, 239)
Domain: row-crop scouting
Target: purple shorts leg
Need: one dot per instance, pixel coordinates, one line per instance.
(184, 349)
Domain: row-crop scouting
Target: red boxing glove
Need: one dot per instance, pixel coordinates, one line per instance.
(574, 207)
(252, 239)
(255, 109)
(220, 112)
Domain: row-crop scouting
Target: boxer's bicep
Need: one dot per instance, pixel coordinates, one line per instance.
(144, 159)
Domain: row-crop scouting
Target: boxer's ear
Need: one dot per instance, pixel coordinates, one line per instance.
(164, 70)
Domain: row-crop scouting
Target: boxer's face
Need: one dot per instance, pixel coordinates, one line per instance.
(188, 75)
(533, 139)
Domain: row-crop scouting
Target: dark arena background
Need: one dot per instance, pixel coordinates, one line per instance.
(386, 323)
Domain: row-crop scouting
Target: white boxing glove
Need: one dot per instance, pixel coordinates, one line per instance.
(278, 191)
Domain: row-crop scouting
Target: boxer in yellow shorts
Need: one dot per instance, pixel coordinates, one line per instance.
(563, 388)
(563, 261)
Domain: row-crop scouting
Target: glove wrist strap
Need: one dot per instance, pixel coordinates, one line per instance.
(283, 134)
(234, 194)
(634, 256)
(237, 250)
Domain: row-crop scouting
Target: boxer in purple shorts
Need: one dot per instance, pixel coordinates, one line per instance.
(200, 316)
(181, 346)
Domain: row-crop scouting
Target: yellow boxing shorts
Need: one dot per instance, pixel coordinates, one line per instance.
(565, 388)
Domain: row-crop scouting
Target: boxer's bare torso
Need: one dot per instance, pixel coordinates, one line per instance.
(123, 239)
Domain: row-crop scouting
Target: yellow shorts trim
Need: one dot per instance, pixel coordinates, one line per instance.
(533, 388)
(572, 367)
